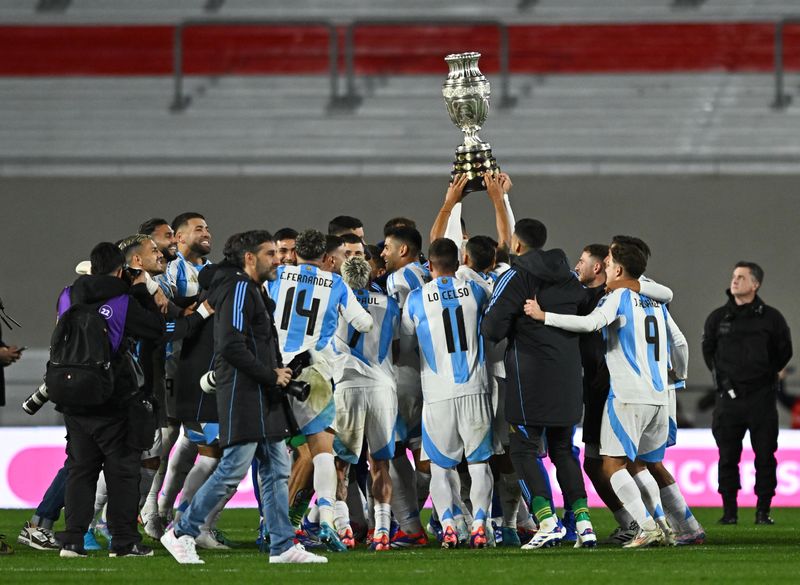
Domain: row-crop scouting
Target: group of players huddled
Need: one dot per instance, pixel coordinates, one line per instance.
(412, 359)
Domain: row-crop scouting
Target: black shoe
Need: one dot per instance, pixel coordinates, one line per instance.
(762, 517)
(728, 519)
(69, 551)
(133, 550)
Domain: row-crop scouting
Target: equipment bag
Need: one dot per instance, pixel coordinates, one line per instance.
(79, 371)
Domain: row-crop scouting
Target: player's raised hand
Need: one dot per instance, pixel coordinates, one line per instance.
(533, 310)
(505, 182)
(493, 186)
(455, 190)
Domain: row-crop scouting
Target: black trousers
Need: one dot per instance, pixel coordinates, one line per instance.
(758, 413)
(527, 443)
(95, 443)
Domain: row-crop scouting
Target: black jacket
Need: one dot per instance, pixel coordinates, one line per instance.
(596, 379)
(251, 408)
(197, 353)
(746, 345)
(141, 324)
(543, 364)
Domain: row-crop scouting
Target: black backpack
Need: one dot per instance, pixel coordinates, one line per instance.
(79, 371)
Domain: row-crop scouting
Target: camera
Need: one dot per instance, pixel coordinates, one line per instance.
(35, 401)
(208, 382)
(298, 389)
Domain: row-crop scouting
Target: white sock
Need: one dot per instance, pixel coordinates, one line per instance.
(341, 515)
(100, 499)
(480, 492)
(169, 435)
(202, 470)
(179, 465)
(146, 476)
(628, 493)
(383, 517)
(510, 493)
(313, 514)
(325, 486)
(624, 520)
(442, 496)
(650, 496)
(678, 513)
(404, 494)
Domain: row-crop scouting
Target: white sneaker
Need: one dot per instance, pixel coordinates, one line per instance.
(669, 535)
(546, 538)
(646, 538)
(182, 549)
(37, 537)
(623, 535)
(208, 541)
(297, 554)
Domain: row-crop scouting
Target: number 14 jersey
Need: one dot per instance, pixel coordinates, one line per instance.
(445, 315)
(308, 302)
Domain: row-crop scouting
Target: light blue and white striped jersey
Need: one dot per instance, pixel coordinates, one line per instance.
(445, 315)
(308, 303)
(368, 356)
(638, 343)
(182, 276)
(403, 281)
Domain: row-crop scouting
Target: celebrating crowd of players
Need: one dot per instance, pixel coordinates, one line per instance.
(451, 374)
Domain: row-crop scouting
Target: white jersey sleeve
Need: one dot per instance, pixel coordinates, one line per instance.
(654, 290)
(604, 314)
(679, 349)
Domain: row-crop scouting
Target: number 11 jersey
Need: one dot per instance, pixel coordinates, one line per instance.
(308, 301)
(445, 315)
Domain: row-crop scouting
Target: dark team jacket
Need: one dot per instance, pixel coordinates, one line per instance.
(543, 364)
(596, 379)
(746, 345)
(140, 324)
(251, 408)
(197, 354)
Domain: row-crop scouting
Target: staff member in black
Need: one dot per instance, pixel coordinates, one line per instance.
(745, 344)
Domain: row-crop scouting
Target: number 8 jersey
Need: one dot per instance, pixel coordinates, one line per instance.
(445, 315)
(308, 302)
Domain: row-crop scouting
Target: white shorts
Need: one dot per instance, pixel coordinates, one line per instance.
(365, 412)
(318, 412)
(635, 431)
(458, 427)
(500, 426)
(672, 434)
(409, 407)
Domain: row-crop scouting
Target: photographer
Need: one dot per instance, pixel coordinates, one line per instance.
(249, 381)
(98, 437)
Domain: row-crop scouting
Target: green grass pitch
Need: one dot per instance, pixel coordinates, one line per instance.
(743, 554)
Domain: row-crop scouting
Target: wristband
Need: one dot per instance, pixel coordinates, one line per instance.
(201, 309)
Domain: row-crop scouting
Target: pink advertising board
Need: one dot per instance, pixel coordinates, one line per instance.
(30, 457)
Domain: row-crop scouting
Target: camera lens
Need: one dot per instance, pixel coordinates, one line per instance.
(35, 401)
(208, 383)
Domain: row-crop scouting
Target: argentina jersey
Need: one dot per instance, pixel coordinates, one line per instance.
(308, 302)
(182, 276)
(403, 281)
(369, 355)
(445, 315)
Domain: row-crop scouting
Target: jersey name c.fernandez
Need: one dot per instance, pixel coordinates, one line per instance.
(368, 356)
(445, 315)
(308, 301)
(637, 344)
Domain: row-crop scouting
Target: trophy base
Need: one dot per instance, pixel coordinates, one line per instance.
(474, 161)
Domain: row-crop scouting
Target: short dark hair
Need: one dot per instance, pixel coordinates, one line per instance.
(633, 241)
(182, 219)
(332, 243)
(408, 236)
(531, 232)
(106, 258)
(631, 257)
(239, 244)
(443, 254)
(482, 252)
(149, 226)
(755, 270)
(375, 255)
(597, 250)
(310, 245)
(398, 222)
(351, 238)
(286, 233)
(342, 224)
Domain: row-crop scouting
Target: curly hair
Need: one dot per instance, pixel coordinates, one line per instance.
(310, 245)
